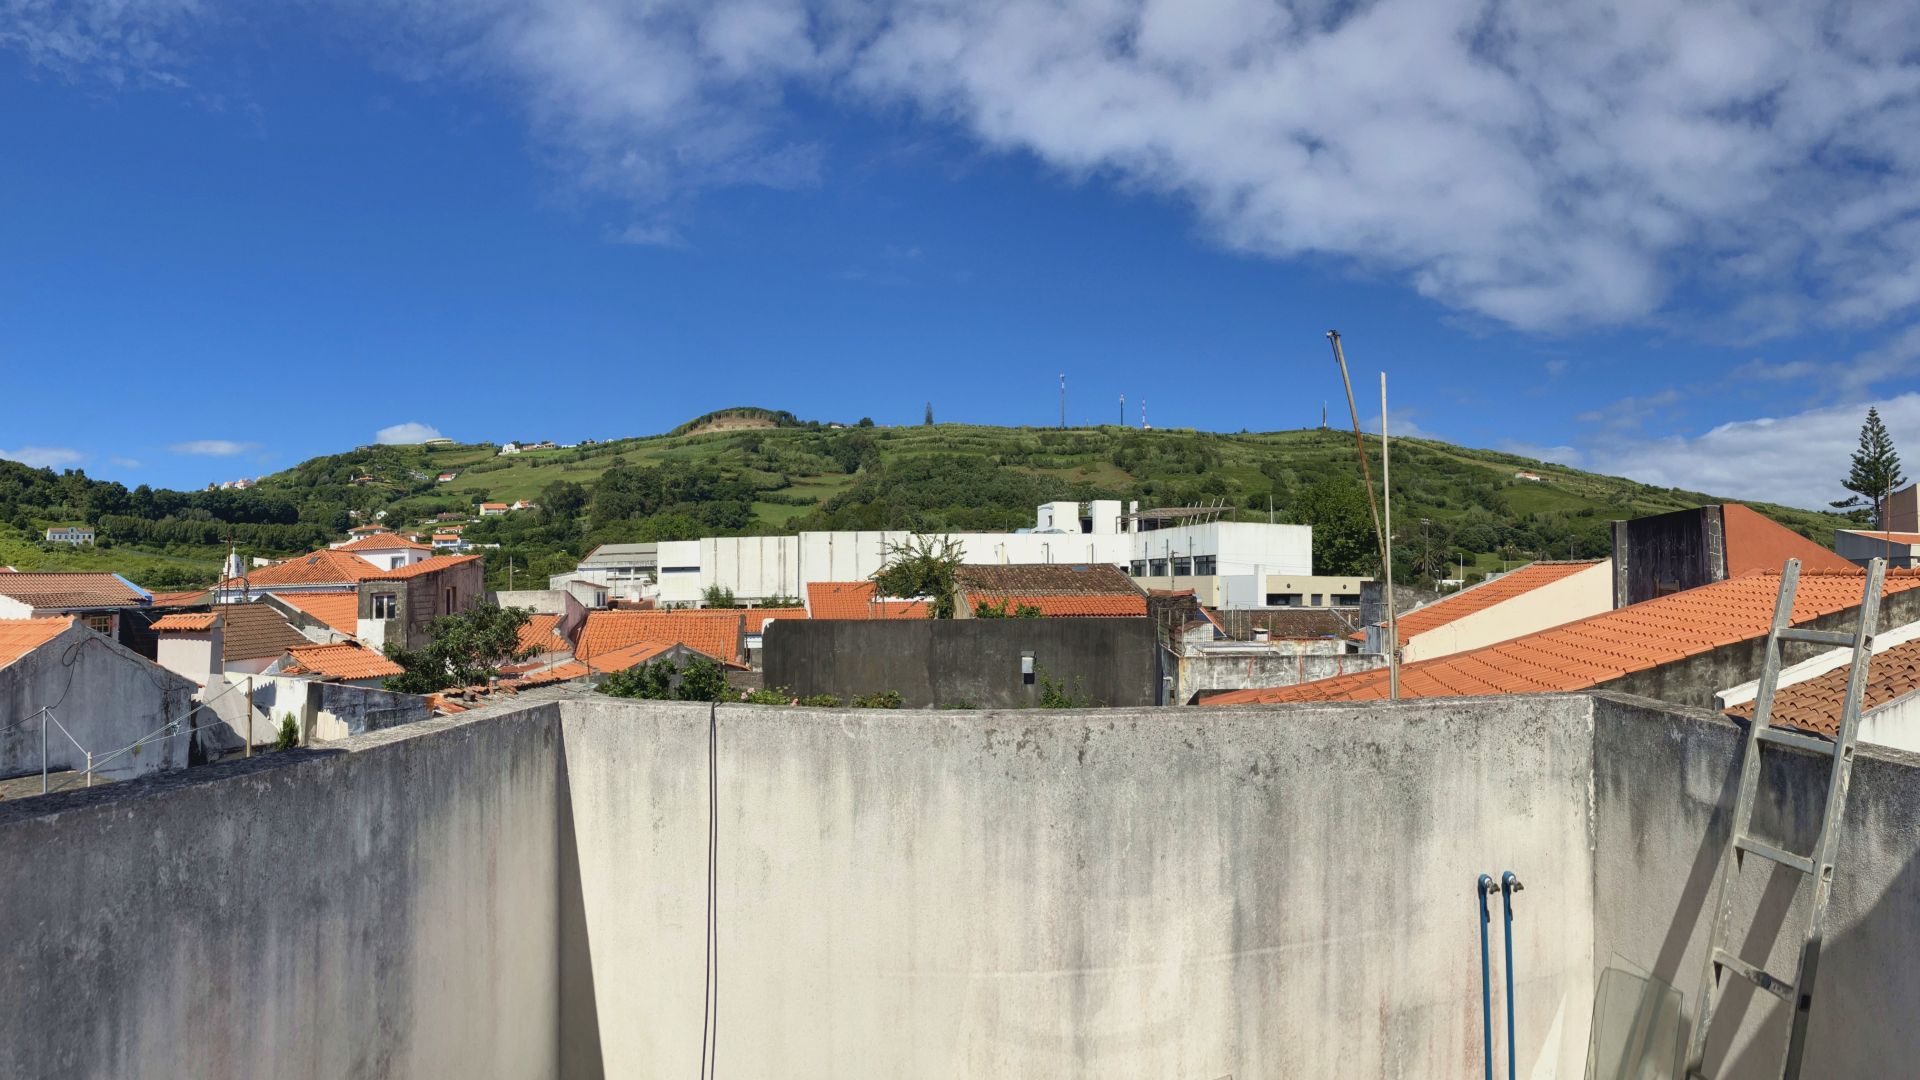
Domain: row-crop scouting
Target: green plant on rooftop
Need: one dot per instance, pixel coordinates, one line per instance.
(288, 735)
(922, 566)
(1057, 694)
(1004, 608)
(880, 699)
(464, 649)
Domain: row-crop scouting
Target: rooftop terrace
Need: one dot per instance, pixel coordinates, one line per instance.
(1247, 892)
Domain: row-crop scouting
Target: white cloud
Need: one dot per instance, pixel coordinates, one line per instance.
(213, 447)
(1798, 459)
(1547, 165)
(44, 457)
(120, 41)
(649, 234)
(410, 432)
(120, 462)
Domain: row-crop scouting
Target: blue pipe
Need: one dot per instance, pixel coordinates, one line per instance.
(1509, 884)
(1481, 888)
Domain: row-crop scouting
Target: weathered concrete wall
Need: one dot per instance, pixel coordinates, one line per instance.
(1664, 793)
(1111, 662)
(385, 912)
(1252, 893)
(1208, 670)
(341, 710)
(104, 695)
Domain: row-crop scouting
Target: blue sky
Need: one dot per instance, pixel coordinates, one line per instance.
(236, 236)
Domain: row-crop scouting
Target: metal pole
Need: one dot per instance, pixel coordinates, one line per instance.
(249, 716)
(1386, 502)
(1480, 889)
(89, 768)
(1358, 442)
(1509, 884)
(43, 750)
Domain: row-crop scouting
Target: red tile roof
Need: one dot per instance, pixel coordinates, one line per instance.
(251, 631)
(856, 600)
(1057, 589)
(758, 619)
(343, 661)
(338, 610)
(186, 621)
(1816, 703)
(425, 566)
(71, 591)
(327, 567)
(1600, 648)
(383, 541)
(542, 633)
(1486, 594)
(184, 598)
(713, 633)
(1757, 543)
(18, 637)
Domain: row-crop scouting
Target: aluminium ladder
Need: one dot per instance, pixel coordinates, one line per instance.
(1817, 864)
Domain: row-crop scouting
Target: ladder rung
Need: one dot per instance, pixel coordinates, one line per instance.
(1780, 855)
(1817, 637)
(1777, 987)
(1796, 740)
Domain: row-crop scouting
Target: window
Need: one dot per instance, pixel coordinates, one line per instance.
(1182, 566)
(1283, 599)
(102, 623)
(1139, 568)
(1157, 567)
(679, 569)
(1316, 600)
(1203, 565)
(385, 605)
(1346, 601)
(450, 599)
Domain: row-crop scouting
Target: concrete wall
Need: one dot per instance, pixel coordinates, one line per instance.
(341, 710)
(308, 914)
(1576, 596)
(1255, 893)
(1246, 667)
(104, 695)
(1663, 789)
(1112, 662)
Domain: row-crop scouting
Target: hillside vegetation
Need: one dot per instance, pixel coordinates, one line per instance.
(1451, 504)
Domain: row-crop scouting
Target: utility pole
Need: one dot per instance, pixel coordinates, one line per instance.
(1386, 500)
(1360, 443)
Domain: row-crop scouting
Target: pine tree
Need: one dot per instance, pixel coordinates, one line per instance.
(1876, 469)
(929, 420)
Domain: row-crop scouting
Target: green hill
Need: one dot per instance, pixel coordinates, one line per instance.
(751, 470)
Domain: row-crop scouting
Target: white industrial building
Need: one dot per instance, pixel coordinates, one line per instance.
(1160, 549)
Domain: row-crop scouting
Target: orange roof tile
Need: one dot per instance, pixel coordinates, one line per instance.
(326, 567)
(1816, 704)
(425, 566)
(713, 633)
(1758, 543)
(184, 621)
(1057, 589)
(1890, 537)
(343, 661)
(1600, 648)
(183, 598)
(1071, 607)
(382, 541)
(18, 637)
(338, 610)
(1480, 597)
(541, 633)
(856, 600)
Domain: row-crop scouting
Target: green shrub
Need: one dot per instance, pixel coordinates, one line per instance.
(702, 680)
(289, 735)
(773, 695)
(884, 699)
(1057, 695)
(821, 701)
(962, 704)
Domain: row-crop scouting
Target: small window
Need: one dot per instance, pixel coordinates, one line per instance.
(385, 605)
(1203, 565)
(450, 596)
(1316, 599)
(1283, 599)
(102, 623)
(1139, 568)
(1183, 566)
(1157, 568)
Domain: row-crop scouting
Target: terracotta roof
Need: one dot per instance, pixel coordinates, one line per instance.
(541, 632)
(339, 610)
(251, 631)
(1890, 537)
(714, 633)
(1600, 648)
(343, 661)
(630, 656)
(856, 600)
(326, 567)
(1756, 543)
(1480, 597)
(758, 618)
(18, 637)
(493, 506)
(46, 591)
(1815, 704)
(185, 598)
(185, 621)
(424, 566)
(384, 541)
(1057, 589)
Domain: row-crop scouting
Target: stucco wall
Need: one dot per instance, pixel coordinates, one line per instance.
(1252, 893)
(1576, 596)
(1204, 670)
(310, 914)
(1664, 791)
(104, 695)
